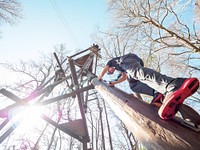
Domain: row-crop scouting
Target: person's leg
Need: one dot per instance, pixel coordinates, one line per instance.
(176, 89)
(159, 82)
(139, 87)
(145, 75)
(177, 92)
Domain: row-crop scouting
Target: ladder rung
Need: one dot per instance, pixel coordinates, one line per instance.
(92, 99)
(92, 93)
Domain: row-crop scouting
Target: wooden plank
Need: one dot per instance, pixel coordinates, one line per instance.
(62, 128)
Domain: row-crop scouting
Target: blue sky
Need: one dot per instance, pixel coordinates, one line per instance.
(43, 27)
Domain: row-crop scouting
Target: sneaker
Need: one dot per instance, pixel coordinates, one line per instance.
(178, 91)
(158, 99)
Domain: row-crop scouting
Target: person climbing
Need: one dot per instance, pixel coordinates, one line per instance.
(176, 90)
(135, 85)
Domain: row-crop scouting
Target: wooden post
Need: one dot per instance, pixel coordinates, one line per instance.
(79, 96)
(143, 121)
(84, 145)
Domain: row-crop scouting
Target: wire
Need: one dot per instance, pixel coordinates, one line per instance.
(63, 20)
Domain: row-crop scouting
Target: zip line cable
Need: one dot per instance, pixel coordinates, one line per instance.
(63, 20)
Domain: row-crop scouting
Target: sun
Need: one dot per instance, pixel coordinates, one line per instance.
(29, 117)
(31, 114)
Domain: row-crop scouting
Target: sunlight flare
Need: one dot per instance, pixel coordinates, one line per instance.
(29, 116)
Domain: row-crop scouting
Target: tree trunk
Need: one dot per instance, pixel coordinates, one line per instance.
(101, 124)
(108, 126)
(143, 121)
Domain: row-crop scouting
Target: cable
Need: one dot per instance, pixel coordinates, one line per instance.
(63, 20)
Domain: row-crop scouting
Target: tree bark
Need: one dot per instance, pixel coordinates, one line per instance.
(143, 121)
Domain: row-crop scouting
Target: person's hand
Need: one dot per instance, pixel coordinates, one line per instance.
(99, 78)
(111, 84)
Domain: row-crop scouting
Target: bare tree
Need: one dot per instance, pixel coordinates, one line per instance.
(130, 138)
(33, 76)
(196, 13)
(164, 17)
(10, 11)
(108, 125)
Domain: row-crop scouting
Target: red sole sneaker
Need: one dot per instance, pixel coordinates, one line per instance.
(158, 99)
(169, 108)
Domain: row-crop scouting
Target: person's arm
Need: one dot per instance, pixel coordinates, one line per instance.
(103, 72)
(121, 79)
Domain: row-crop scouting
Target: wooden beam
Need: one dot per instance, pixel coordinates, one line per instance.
(12, 127)
(78, 94)
(84, 145)
(58, 98)
(12, 96)
(143, 121)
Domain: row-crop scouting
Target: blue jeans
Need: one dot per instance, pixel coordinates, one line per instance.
(153, 79)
